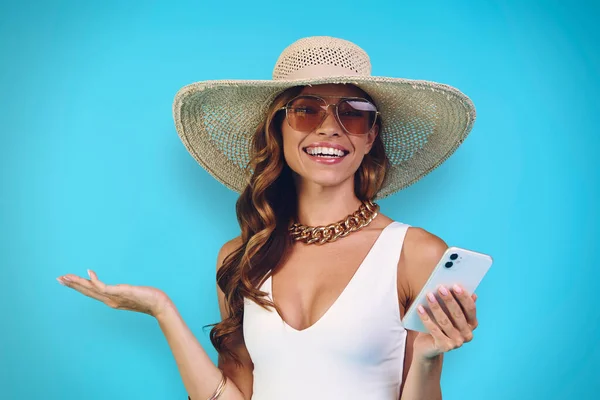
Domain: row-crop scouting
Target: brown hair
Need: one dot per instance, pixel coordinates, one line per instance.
(264, 211)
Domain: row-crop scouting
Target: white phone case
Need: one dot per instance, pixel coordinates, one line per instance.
(467, 269)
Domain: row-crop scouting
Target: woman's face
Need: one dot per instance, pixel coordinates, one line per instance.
(319, 170)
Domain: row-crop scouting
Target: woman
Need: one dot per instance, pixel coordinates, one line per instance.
(312, 292)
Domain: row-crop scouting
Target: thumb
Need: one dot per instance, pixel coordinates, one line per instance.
(92, 275)
(95, 281)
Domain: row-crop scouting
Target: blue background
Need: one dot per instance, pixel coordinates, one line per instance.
(93, 175)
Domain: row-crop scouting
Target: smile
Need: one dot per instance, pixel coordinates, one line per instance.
(325, 152)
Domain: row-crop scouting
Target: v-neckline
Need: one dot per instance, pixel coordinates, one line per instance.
(337, 300)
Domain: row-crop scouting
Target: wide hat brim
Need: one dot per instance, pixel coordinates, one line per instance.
(424, 122)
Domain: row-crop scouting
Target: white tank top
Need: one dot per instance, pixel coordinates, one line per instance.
(354, 351)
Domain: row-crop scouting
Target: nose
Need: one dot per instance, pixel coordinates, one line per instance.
(330, 125)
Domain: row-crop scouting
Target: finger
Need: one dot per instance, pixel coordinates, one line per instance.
(457, 315)
(92, 275)
(95, 281)
(474, 297)
(431, 325)
(442, 319)
(110, 293)
(83, 286)
(467, 303)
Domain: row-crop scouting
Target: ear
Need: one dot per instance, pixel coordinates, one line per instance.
(371, 137)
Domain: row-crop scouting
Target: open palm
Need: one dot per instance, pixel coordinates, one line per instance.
(144, 299)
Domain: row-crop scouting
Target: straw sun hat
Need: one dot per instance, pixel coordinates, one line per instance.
(423, 122)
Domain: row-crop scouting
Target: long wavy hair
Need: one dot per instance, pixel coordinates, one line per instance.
(265, 210)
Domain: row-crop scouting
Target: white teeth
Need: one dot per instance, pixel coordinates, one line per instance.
(324, 151)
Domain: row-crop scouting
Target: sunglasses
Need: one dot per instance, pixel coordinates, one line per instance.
(355, 115)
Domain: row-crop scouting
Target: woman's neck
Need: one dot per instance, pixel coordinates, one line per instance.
(324, 206)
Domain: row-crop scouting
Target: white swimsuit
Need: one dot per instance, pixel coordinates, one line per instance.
(354, 351)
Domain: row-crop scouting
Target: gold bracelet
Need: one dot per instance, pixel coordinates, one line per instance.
(220, 388)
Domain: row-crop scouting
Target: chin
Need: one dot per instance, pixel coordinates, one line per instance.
(323, 175)
(327, 179)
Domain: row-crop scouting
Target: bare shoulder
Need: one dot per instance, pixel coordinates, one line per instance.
(228, 248)
(420, 254)
(423, 248)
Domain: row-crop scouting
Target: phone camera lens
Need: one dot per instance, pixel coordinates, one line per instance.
(449, 264)
(454, 256)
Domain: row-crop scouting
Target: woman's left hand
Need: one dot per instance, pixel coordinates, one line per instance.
(446, 331)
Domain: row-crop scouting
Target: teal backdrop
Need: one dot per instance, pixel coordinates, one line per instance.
(93, 175)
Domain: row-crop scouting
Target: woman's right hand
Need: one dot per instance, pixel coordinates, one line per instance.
(142, 299)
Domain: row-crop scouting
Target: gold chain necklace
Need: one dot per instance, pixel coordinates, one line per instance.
(324, 234)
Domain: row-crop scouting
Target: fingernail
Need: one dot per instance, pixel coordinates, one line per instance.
(60, 281)
(66, 278)
(457, 289)
(421, 309)
(443, 291)
(431, 297)
(90, 275)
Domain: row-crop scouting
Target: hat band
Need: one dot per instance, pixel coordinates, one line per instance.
(320, 71)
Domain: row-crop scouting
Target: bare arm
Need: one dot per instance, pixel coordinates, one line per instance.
(421, 253)
(200, 376)
(243, 376)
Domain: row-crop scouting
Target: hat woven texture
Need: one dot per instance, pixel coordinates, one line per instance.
(424, 122)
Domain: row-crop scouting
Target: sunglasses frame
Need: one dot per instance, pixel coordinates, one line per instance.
(335, 114)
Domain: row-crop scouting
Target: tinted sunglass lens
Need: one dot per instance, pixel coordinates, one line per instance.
(305, 113)
(357, 115)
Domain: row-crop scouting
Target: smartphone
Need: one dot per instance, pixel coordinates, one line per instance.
(463, 267)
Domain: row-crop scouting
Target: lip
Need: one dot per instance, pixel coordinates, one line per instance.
(326, 161)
